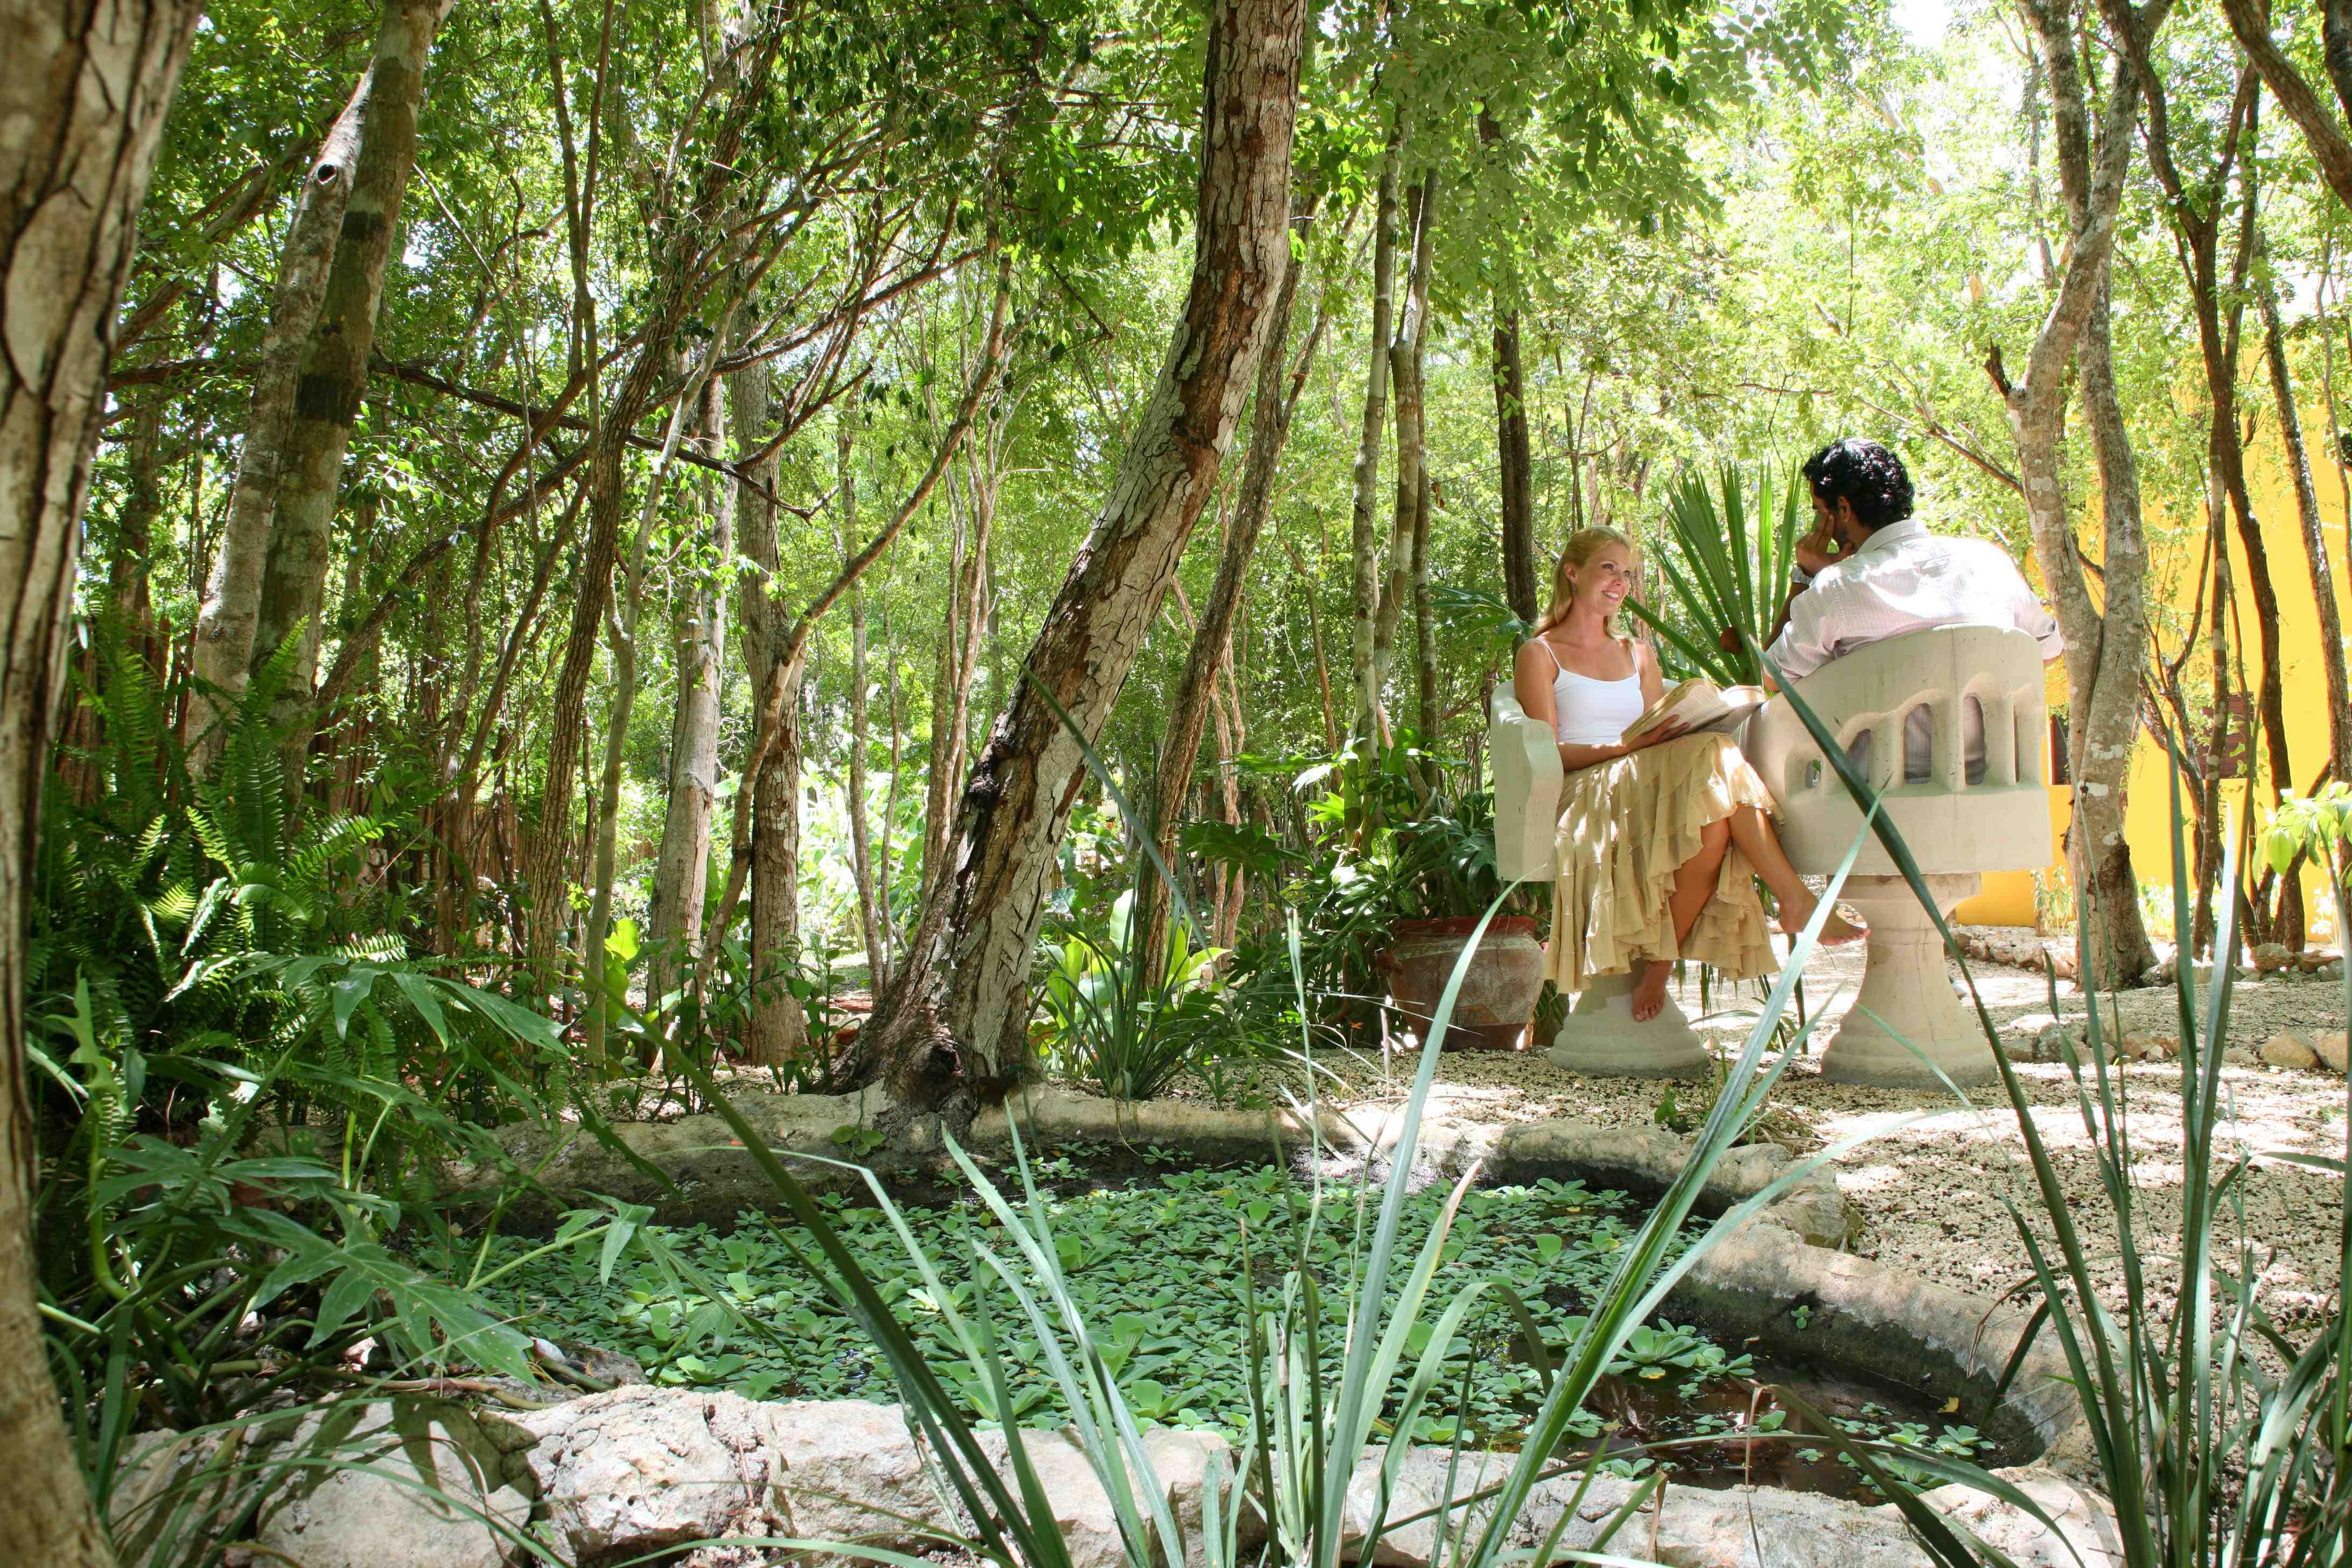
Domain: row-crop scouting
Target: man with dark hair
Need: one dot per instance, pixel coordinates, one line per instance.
(1869, 571)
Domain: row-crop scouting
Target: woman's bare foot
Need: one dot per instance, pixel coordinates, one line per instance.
(1650, 993)
(1836, 931)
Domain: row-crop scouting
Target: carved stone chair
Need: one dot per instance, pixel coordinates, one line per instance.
(1961, 816)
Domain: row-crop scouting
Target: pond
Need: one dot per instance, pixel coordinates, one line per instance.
(1161, 1261)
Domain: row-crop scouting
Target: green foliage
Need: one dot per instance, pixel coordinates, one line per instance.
(1159, 1261)
(1724, 559)
(1113, 1022)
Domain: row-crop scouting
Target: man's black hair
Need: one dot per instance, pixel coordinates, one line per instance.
(1864, 475)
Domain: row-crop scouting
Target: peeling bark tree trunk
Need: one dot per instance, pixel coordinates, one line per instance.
(1363, 679)
(225, 624)
(84, 104)
(955, 1023)
(2250, 21)
(332, 373)
(2315, 542)
(682, 867)
(2103, 652)
(1277, 402)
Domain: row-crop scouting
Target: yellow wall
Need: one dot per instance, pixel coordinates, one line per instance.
(2008, 897)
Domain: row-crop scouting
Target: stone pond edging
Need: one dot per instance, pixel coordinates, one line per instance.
(1782, 1282)
(640, 1470)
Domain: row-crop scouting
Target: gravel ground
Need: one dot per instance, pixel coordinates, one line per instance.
(1929, 1181)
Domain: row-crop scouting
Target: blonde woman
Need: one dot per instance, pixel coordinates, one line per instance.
(1660, 839)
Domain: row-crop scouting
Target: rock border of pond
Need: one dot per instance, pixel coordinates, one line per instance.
(422, 1483)
(1781, 1283)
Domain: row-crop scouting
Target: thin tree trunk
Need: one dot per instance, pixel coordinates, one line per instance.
(884, 856)
(2103, 652)
(1322, 664)
(954, 1026)
(1424, 627)
(232, 605)
(682, 867)
(679, 289)
(84, 103)
(2315, 541)
(1411, 443)
(945, 763)
(332, 375)
(1514, 459)
(128, 598)
(623, 614)
(1364, 539)
(861, 849)
(776, 1027)
(2321, 132)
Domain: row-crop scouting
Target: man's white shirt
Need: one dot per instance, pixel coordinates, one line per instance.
(1905, 579)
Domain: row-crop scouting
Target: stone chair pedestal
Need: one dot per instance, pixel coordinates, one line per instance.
(1905, 1023)
(1600, 1039)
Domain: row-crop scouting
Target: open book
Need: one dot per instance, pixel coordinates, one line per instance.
(1701, 705)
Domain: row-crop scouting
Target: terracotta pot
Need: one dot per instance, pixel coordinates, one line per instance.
(1498, 994)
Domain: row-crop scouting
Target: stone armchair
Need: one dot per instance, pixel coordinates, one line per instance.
(1959, 815)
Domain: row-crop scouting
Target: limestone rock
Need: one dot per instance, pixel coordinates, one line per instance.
(2146, 1045)
(170, 1499)
(2241, 1057)
(1400, 1544)
(642, 1467)
(2086, 1532)
(2328, 1046)
(1083, 1511)
(391, 1484)
(2269, 957)
(847, 1468)
(2286, 1050)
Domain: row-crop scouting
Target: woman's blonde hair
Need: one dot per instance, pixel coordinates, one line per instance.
(1582, 546)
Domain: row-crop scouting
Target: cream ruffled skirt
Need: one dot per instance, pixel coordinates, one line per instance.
(1625, 827)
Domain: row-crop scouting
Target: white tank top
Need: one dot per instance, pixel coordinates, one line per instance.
(1590, 712)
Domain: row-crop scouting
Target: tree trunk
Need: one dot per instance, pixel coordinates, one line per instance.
(1277, 402)
(1405, 359)
(776, 1027)
(2250, 20)
(682, 868)
(1424, 629)
(1523, 584)
(84, 105)
(1364, 540)
(1522, 570)
(332, 373)
(232, 605)
(861, 849)
(2315, 541)
(2103, 652)
(1307, 587)
(973, 519)
(955, 1022)
(128, 566)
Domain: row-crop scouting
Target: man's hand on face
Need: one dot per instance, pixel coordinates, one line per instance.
(1818, 548)
(1825, 543)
